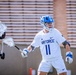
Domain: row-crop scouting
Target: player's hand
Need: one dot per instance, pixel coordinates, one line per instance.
(25, 52)
(69, 57)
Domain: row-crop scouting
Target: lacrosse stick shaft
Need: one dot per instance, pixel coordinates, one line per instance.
(2, 48)
(18, 48)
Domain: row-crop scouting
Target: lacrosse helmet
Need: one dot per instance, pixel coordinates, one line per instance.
(46, 19)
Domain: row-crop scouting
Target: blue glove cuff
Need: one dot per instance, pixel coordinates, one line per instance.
(69, 54)
(26, 51)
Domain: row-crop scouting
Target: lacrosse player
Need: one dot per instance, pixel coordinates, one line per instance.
(49, 40)
(3, 29)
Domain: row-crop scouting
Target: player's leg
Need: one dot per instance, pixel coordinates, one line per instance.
(59, 66)
(64, 73)
(44, 68)
(42, 73)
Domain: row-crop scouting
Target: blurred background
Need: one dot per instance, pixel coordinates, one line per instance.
(22, 18)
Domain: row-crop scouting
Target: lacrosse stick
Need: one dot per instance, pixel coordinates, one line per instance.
(3, 28)
(10, 42)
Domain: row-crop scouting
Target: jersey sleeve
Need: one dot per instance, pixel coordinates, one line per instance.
(59, 37)
(36, 42)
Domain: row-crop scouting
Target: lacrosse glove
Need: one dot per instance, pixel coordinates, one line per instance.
(69, 57)
(25, 52)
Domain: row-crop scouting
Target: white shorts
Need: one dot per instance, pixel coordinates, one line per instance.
(58, 64)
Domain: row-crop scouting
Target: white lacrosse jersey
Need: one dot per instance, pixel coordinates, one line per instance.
(49, 43)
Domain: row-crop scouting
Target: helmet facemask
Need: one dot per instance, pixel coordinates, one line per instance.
(47, 28)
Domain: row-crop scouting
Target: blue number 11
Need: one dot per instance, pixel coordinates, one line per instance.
(47, 47)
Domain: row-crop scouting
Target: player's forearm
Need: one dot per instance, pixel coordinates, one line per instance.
(30, 48)
(66, 45)
(67, 48)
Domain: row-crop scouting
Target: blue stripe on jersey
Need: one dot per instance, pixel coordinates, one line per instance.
(47, 47)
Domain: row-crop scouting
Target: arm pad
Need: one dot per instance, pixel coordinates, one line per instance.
(33, 48)
(65, 43)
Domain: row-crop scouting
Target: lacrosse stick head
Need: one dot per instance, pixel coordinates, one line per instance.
(9, 41)
(3, 28)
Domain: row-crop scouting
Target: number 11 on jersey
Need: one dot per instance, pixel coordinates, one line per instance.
(47, 48)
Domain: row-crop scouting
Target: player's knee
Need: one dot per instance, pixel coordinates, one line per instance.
(64, 73)
(42, 73)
